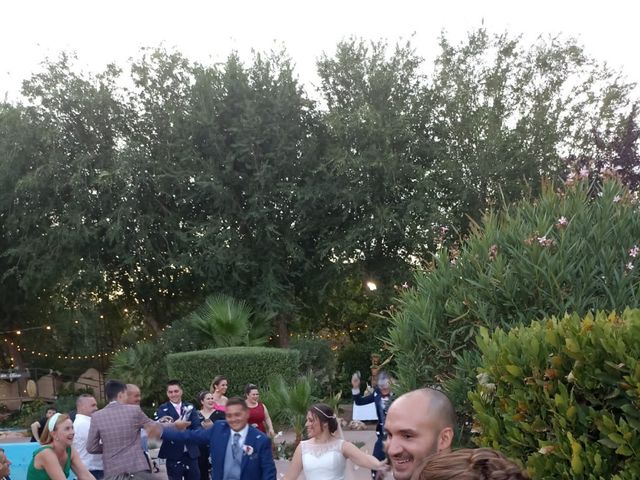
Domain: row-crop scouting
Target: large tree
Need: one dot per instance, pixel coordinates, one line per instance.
(505, 116)
(129, 204)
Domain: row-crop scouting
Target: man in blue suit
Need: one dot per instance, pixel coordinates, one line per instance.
(181, 459)
(238, 451)
(381, 397)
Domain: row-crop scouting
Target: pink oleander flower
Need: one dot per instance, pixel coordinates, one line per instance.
(562, 223)
(584, 172)
(633, 252)
(545, 242)
(493, 252)
(248, 450)
(628, 267)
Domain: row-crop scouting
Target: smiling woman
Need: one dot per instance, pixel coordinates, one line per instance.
(324, 456)
(56, 458)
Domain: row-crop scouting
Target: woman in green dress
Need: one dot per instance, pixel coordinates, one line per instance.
(56, 457)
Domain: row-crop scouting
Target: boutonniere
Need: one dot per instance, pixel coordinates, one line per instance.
(248, 450)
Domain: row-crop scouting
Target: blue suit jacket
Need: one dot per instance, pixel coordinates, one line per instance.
(173, 450)
(258, 465)
(376, 398)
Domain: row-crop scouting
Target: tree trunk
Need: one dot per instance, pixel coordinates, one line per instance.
(150, 319)
(282, 328)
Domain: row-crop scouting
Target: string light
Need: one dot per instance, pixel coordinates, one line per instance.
(19, 331)
(72, 357)
(324, 336)
(331, 336)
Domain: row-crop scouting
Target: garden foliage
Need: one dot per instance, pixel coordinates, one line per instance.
(571, 250)
(133, 193)
(318, 361)
(241, 365)
(224, 321)
(288, 402)
(143, 365)
(564, 395)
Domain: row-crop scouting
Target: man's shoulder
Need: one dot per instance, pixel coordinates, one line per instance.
(166, 406)
(115, 408)
(81, 425)
(221, 425)
(81, 419)
(257, 435)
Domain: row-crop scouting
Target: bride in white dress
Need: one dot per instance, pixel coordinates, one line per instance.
(324, 456)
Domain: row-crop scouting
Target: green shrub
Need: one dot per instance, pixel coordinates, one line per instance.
(318, 360)
(224, 321)
(564, 395)
(241, 365)
(28, 413)
(143, 365)
(288, 402)
(568, 251)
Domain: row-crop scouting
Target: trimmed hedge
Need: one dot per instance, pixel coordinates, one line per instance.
(564, 396)
(241, 365)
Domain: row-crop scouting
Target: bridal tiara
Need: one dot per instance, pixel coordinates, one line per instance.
(324, 414)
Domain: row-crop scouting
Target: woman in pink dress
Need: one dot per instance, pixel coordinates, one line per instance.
(219, 386)
(258, 413)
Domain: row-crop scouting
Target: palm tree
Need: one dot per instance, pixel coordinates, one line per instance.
(289, 404)
(227, 322)
(143, 365)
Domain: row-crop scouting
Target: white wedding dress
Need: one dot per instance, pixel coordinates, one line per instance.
(323, 461)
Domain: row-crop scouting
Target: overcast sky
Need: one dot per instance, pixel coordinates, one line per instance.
(107, 31)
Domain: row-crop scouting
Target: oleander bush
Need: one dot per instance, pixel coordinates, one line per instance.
(563, 395)
(574, 249)
(241, 365)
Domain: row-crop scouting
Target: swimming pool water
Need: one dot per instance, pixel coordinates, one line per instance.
(20, 455)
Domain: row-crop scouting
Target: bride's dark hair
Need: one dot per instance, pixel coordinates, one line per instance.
(469, 464)
(324, 413)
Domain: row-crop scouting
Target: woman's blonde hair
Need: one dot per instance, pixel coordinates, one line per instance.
(469, 464)
(216, 381)
(46, 436)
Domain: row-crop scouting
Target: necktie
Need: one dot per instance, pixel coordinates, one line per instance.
(235, 446)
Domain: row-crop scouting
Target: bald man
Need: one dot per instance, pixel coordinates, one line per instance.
(419, 423)
(133, 394)
(86, 406)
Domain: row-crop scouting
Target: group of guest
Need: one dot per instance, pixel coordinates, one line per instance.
(97, 444)
(191, 461)
(418, 430)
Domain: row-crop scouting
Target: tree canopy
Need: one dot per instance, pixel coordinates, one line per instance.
(127, 198)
